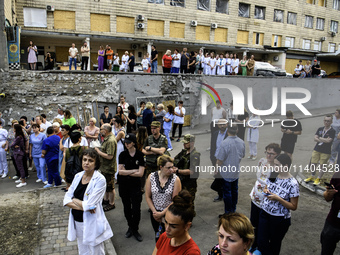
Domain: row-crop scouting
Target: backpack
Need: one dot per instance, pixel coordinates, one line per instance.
(73, 165)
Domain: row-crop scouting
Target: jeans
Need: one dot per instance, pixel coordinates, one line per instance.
(154, 66)
(40, 165)
(167, 134)
(3, 161)
(272, 230)
(230, 196)
(74, 60)
(53, 172)
(175, 70)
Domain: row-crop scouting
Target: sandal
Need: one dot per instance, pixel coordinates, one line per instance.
(109, 207)
(105, 202)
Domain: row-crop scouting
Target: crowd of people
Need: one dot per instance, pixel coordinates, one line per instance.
(91, 163)
(307, 70)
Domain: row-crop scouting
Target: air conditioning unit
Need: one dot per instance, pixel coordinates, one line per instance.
(333, 34)
(323, 39)
(140, 17)
(140, 25)
(50, 8)
(134, 46)
(276, 58)
(213, 25)
(193, 23)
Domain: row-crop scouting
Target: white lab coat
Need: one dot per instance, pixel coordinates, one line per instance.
(124, 65)
(229, 65)
(235, 63)
(96, 226)
(206, 66)
(212, 62)
(221, 70)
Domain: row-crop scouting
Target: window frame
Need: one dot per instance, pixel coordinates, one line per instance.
(278, 10)
(304, 41)
(291, 42)
(263, 8)
(329, 47)
(331, 26)
(308, 21)
(248, 12)
(323, 24)
(227, 12)
(319, 44)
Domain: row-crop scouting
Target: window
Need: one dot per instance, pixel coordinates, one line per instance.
(336, 5)
(310, 1)
(179, 3)
(125, 24)
(278, 16)
(203, 5)
(100, 22)
(290, 42)
(258, 38)
(322, 3)
(276, 40)
(203, 33)
(259, 12)
(244, 10)
(320, 24)
(291, 18)
(309, 21)
(34, 17)
(331, 47)
(306, 44)
(222, 6)
(317, 45)
(156, 1)
(155, 27)
(242, 37)
(334, 26)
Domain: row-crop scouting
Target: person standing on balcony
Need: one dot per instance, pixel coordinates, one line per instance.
(73, 52)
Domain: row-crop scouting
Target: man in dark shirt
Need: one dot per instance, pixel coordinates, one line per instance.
(316, 69)
(131, 62)
(322, 151)
(330, 234)
(153, 60)
(184, 61)
(291, 129)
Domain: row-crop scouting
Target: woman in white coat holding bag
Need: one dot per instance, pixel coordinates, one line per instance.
(87, 221)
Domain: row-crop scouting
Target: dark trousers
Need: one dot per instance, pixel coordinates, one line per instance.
(217, 185)
(84, 63)
(24, 163)
(272, 230)
(213, 130)
(184, 69)
(254, 219)
(230, 196)
(131, 198)
(155, 224)
(166, 70)
(179, 130)
(53, 172)
(330, 236)
(18, 159)
(131, 68)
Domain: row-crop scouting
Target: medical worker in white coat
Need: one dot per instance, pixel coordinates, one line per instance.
(87, 221)
(206, 69)
(221, 65)
(212, 63)
(125, 60)
(235, 62)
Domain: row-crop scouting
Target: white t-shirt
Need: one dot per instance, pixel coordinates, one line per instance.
(286, 189)
(43, 126)
(177, 63)
(116, 61)
(73, 51)
(48, 124)
(125, 108)
(177, 119)
(145, 64)
(217, 113)
(82, 143)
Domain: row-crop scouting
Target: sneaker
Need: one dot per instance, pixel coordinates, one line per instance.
(48, 186)
(218, 198)
(250, 157)
(254, 157)
(39, 180)
(169, 149)
(178, 140)
(208, 149)
(30, 168)
(62, 180)
(310, 179)
(317, 181)
(21, 185)
(4, 176)
(18, 181)
(15, 177)
(45, 182)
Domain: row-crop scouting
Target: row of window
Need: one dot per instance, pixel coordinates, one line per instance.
(307, 44)
(336, 3)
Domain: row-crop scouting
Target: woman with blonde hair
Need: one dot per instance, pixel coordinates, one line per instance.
(148, 117)
(167, 62)
(91, 131)
(161, 187)
(235, 235)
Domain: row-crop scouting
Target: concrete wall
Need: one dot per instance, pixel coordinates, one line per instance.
(33, 93)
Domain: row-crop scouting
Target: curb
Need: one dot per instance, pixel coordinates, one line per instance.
(109, 248)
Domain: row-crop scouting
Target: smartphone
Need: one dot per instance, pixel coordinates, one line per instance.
(266, 194)
(32, 119)
(328, 185)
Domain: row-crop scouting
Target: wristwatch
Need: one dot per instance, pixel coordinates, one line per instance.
(177, 171)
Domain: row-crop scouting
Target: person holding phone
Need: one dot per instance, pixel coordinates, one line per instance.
(330, 234)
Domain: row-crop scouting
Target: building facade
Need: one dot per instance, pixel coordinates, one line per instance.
(280, 32)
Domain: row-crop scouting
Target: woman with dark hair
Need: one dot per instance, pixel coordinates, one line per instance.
(161, 187)
(192, 63)
(3, 149)
(142, 135)
(68, 118)
(178, 220)
(235, 235)
(32, 55)
(105, 117)
(167, 124)
(119, 132)
(120, 114)
(18, 148)
(281, 196)
(63, 145)
(131, 169)
(83, 143)
(87, 221)
(131, 126)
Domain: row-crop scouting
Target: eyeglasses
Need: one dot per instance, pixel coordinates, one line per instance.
(270, 154)
(169, 167)
(327, 120)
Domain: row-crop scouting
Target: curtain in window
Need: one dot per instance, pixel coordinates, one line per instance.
(259, 12)
(336, 4)
(222, 6)
(320, 24)
(203, 5)
(156, 1)
(243, 10)
(309, 21)
(306, 44)
(180, 3)
(34, 17)
(291, 18)
(334, 26)
(289, 42)
(278, 16)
